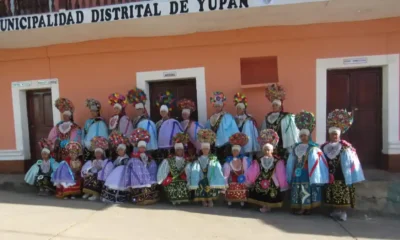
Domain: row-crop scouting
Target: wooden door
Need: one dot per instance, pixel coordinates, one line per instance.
(40, 119)
(360, 91)
(180, 89)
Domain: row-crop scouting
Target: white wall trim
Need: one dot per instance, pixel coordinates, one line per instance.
(390, 92)
(18, 89)
(144, 78)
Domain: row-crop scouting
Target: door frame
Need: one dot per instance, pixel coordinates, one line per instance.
(144, 78)
(390, 94)
(20, 110)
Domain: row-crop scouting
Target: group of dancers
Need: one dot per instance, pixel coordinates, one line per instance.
(138, 160)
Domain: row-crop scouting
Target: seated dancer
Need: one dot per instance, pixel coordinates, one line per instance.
(235, 170)
(174, 172)
(247, 125)
(67, 177)
(267, 177)
(94, 127)
(280, 121)
(223, 124)
(40, 172)
(138, 98)
(115, 190)
(306, 168)
(189, 126)
(344, 165)
(65, 131)
(141, 171)
(167, 127)
(206, 176)
(119, 121)
(92, 186)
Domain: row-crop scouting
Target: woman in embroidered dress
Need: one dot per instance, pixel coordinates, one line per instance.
(174, 172)
(223, 124)
(92, 186)
(141, 171)
(344, 165)
(306, 168)
(40, 172)
(94, 127)
(119, 121)
(280, 121)
(235, 170)
(67, 177)
(246, 125)
(167, 127)
(267, 177)
(206, 176)
(66, 130)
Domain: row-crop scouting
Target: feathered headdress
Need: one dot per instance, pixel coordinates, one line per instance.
(136, 96)
(93, 104)
(240, 98)
(165, 99)
(239, 139)
(98, 143)
(64, 104)
(340, 118)
(305, 120)
(181, 138)
(116, 98)
(74, 147)
(218, 98)
(268, 136)
(206, 136)
(275, 92)
(139, 134)
(45, 143)
(186, 104)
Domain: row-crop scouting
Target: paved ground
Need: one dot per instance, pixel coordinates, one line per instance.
(29, 217)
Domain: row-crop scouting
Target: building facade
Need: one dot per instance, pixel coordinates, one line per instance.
(327, 54)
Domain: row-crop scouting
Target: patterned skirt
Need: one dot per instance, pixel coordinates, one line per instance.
(75, 190)
(236, 192)
(114, 196)
(145, 196)
(304, 196)
(44, 182)
(271, 197)
(91, 185)
(339, 195)
(177, 191)
(204, 192)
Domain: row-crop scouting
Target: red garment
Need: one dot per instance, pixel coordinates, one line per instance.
(62, 192)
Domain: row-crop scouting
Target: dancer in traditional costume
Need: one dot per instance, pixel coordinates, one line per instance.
(40, 173)
(206, 176)
(280, 121)
(344, 165)
(119, 121)
(65, 131)
(189, 126)
(235, 170)
(141, 171)
(67, 177)
(174, 172)
(247, 125)
(267, 177)
(223, 124)
(94, 127)
(115, 190)
(92, 186)
(138, 98)
(167, 127)
(306, 169)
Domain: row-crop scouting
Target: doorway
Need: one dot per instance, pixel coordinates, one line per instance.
(40, 119)
(185, 88)
(359, 91)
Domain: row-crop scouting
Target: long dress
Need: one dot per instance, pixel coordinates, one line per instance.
(150, 127)
(192, 128)
(248, 126)
(122, 124)
(235, 179)
(173, 173)
(282, 123)
(269, 182)
(64, 132)
(115, 190)
(344, 170)
(141, 179)
(206, 178)
(40, 174)
(166, 129)
(89, 173)
(94, 127)
(67, 178)
(306, 172)
(224, 126)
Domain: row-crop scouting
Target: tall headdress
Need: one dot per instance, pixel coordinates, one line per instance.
(180, 140)
(240, 100)
(74, 147)
(238, 140)
(46, 145)
(99, 144)
(275, 93)
(186, 105)
(339, 121)
(93, 104)
(137, 97)
(118, 141)
(165, 101)
(206, 137)
(218, 98)
(117, 100)
(305, 122)
(65, 106)
(139, 137)
(268, 138)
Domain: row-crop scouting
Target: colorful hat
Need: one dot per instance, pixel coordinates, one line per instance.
(98, 143)
(218, 98)
(116, 99)
(339, 119)
(186, 104)
(139, 135)
(46, 145)
(137, 97)
(275, 92)
(206, 136)
(64, 105)
(74, 147)
(93, 104)
(239, 139)
(180, 140)
(268, 136)
(166, 99)
(116, 139)
(305, 122)
(240, 99)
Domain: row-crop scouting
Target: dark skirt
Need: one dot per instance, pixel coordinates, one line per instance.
(91, 185)
(339, 195)
(204, 192)
(177, 191)
(271, 197)
(145, 196)
(114, 196)
(43, 181)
